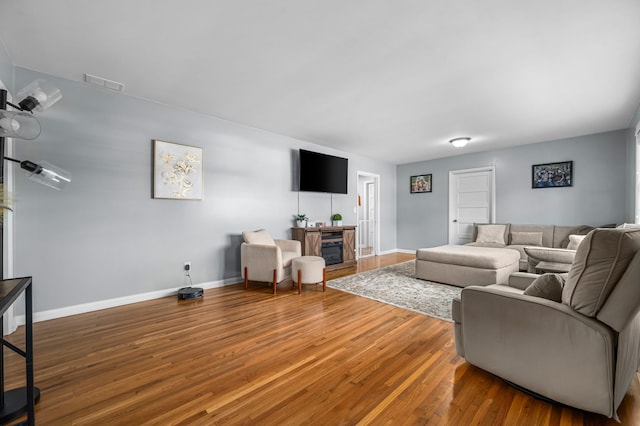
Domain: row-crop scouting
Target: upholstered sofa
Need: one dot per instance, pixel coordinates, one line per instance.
(573, 338)
(548, 243)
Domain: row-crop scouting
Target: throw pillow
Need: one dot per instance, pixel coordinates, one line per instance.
(526, 238)
(258, 237)
(574, 241)
(547, 286)
(491, 234)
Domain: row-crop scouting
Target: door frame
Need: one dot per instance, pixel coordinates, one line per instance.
(376, 243)
(452, 195)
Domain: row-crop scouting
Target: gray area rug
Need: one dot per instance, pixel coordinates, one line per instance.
(397, 286)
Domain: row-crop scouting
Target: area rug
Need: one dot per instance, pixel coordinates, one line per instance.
(397, 286)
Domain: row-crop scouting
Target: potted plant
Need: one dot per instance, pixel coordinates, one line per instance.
(301, 220)
(336, 219)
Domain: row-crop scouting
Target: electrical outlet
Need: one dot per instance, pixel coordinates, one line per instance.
(187, 266)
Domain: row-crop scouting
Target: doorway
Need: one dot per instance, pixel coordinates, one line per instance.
(471, 200)
(367, 213)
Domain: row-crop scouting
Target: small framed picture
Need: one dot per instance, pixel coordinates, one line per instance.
(552, 175)
(420, 184)
(177, 171)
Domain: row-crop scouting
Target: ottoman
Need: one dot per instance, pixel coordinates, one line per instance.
(308, 270)
(466, 265)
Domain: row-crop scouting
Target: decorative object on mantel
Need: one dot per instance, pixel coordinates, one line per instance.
(552, 175)
(301, 220)
(420, 183)
(336, 219)
(177, 171)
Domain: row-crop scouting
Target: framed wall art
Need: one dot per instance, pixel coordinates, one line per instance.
(177, 171)
(552, 175)
(420, 184)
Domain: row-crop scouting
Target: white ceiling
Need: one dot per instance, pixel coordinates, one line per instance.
(388, 79)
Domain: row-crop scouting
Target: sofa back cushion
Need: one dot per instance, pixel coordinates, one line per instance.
(258, 237)
(547, 232)
(601, 259)
(491, 233)
(526, 238)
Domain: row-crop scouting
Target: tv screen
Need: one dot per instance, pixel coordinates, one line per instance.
(323, 173)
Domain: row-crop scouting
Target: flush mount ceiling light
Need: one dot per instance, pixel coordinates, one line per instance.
(459, 142)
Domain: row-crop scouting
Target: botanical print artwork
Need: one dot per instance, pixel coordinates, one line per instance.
(177, 171)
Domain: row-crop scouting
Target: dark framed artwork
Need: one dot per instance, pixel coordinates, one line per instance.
(420, 184)
(552, 175)
(177, 171)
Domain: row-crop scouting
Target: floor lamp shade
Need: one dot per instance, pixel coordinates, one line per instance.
(38, 95)
(46, 174)
(20, 125)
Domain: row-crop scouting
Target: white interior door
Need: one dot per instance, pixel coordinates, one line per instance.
(471, 200)
(368, 210)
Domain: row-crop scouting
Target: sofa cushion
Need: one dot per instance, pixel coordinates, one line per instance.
(475, 257)
(526, 238)
(491, 234)
(547, 286)
(258, 237)
(547, 232)
(600, 261)
(574, 241)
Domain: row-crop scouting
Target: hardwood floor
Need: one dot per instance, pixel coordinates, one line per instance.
(248, 357)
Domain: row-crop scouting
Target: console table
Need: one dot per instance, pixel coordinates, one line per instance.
(16, 402)
(336, 244)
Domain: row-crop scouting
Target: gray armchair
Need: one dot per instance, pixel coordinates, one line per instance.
(264, 259)
(573, 338)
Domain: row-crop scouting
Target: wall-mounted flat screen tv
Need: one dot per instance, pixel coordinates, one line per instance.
(323, 173)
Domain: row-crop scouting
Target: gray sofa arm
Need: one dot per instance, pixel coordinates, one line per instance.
(521, 280)
(547, 254)
(540, 345)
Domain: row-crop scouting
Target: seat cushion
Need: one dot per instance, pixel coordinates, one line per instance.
(258, 237)
(600, 261)
(476, 257)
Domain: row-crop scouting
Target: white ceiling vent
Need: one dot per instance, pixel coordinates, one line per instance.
(103, 82)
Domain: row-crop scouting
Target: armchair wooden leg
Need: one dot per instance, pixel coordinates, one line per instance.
(246, 278)
(275, 282)
(299, 280)
(324, 279)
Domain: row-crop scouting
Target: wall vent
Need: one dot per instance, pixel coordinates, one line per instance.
(103, 82)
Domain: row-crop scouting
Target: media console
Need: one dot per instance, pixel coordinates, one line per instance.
(336, 244)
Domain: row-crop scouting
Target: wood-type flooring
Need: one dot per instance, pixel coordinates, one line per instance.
(249, 357)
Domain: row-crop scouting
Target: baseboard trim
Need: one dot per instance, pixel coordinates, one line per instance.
(406, 251)
(119, 301)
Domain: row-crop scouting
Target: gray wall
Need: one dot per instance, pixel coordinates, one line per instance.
(598, 197)
(104, 237)
(6, 67)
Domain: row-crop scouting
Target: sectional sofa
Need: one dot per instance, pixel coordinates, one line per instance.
(497, 251)
(551, 243)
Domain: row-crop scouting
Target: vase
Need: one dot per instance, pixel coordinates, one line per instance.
(301, 223)
(336, 222)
